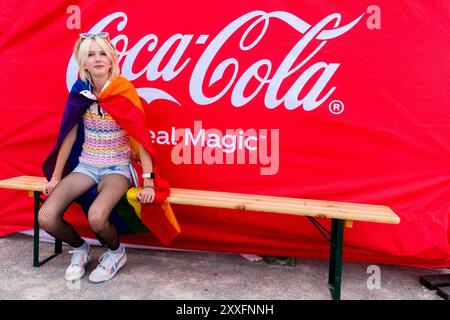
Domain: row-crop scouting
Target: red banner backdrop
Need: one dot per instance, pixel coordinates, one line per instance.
(332, 100)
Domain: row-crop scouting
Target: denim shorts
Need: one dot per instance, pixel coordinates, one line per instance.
(97, 173)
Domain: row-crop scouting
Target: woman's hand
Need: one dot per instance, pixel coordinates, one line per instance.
(50, 185)
(146, 195)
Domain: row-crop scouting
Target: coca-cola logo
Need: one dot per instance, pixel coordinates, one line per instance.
(269, 76)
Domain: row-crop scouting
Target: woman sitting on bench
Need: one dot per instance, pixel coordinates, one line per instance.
(96, 141)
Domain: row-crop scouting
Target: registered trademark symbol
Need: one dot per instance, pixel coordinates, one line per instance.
(336, 107)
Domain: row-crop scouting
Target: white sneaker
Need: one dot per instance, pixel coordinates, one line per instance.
(110, 263)
(78, 263)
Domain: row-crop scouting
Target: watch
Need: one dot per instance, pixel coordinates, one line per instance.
(150, 175)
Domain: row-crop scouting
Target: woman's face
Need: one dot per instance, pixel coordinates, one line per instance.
(97, 62)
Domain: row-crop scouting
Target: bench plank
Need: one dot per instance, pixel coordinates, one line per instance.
(24, 183)
(283, 199)
(252, 202)
(296, 206)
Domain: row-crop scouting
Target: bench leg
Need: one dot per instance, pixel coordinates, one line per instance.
(58, 243)
(335, 264)
(37, 199)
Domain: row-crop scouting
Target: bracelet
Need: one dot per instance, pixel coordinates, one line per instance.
(152, 187)
(55, 178)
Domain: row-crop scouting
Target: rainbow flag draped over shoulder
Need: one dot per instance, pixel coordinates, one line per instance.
(122, 102)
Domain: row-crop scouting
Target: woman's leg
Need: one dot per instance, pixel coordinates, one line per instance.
(111, 189)
(52, 211)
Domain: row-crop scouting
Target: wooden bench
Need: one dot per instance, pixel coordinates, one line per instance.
(340, 213)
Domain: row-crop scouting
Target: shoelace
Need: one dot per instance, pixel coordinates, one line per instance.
(77, 257)
(107, 260)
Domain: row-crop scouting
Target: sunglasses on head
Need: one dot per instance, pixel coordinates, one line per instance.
(101, 35)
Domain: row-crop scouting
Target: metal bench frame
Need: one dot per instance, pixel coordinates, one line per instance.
(335, 237)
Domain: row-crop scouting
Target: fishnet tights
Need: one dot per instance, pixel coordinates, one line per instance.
(111, 189)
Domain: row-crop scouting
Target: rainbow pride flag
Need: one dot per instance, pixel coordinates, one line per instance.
(122, 102)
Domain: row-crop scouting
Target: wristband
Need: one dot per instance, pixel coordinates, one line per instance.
(152, 187)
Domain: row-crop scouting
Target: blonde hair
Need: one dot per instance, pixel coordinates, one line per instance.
(81, 52)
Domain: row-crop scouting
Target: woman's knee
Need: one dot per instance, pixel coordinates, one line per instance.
(48, 219)
(98, 219)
